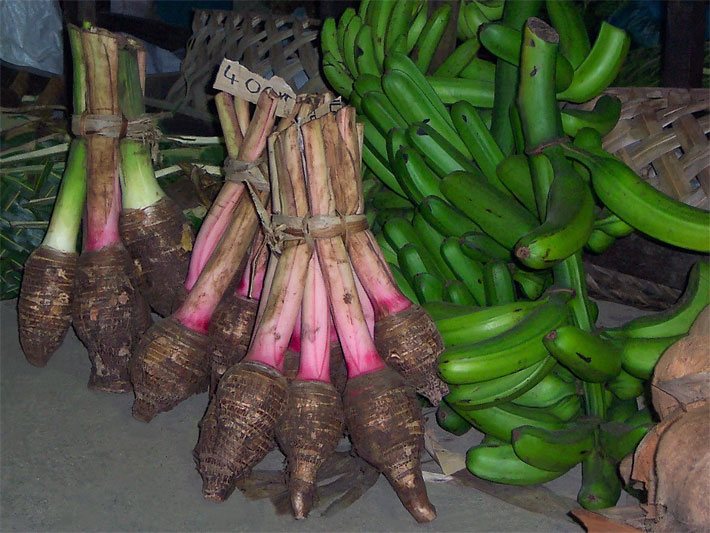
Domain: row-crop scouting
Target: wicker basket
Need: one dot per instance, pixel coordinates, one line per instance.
(663, 136)
(281, 45)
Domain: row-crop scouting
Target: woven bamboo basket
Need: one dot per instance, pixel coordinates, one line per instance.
(663, 135)
(281, 45)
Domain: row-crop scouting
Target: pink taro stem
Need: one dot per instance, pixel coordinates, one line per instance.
(315, 328)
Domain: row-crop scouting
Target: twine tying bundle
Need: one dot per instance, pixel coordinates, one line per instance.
(142, 129)
(247, 172)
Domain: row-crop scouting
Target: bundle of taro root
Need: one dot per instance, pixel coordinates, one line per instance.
(313, 301)
(136, 241)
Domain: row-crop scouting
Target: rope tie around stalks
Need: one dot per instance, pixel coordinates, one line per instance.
(142, 129)
(248, 172)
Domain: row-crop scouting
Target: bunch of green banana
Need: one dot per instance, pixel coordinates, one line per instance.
(492, 187)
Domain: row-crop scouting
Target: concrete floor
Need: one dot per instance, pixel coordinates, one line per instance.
(75, 460)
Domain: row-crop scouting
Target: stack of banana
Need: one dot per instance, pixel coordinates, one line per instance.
(485, 191)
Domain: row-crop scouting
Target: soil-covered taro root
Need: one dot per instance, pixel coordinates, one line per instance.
(252, 395)
(108, 312)
(44, 304)
(152, 226)
(233, 321)
(405, 335)
(381, 411)
(162, 378)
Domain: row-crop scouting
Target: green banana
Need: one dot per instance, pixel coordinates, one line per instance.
(382, 216)
(329, 39)
(415, 177)
(554, 450)
(592, 310)
(412, 103)
(386, 199)
(364, 10)
(602, 118)
(625, 386)
(444, 218)
(516, 125)
(337, 76)
(481, 247)
(485, 323)
(457, 293)
(402, 63)
(402, 283)
(441, 155)
(498, 283)
(514, 173)
(449, 420)
(458, 59)
(564, 374)
(341, 28)
(375, 164)
(640, 355)
(677, 319)
(612, 225)
(588, 356)
(400, 233)
(549, 391)
(471, 18)
(447, 310)
(567, 19)
(398, 23)
(466, 270)
(366, 83)
(644, 207)
(640, 418)
(505, 42)
(491, 9)
(396, 138)
(519, 347)
(486, 394)
(619, 440)
(568, 221)
(492, 210)
(600, 67)
(542, 174)
(432, 241)
(364, 53)
(428, 288)
(601, 485)
(500, 421)
(380, 18)
(599, 242)
(415, 30)
(478, 93)
(478, 140)
(430, 37)
(567, 409)
(532, 284)
(479, 70)
(380, 111)
(500, 465)
(348, 48)
(410, 261)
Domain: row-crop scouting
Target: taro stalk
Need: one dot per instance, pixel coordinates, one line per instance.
(108, 312)
(45, 302)
(381, 410)
(312, 424)
(173, 360)
(152, 226)
(238, 428)
(405, 335)
(233, 321)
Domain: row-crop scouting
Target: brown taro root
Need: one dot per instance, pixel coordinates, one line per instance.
(45, 301)
(108, 312)
(312, 424)
(153, 228)
(381, 411)
(44, 306)
(159, 239)
(252, 395)
(238, 429)
(308, 433)
(164, 378)
(387, 430)
(686, 358)
(233, 321)
(405, 335)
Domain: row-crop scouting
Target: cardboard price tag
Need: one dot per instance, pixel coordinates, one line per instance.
(235, 79)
